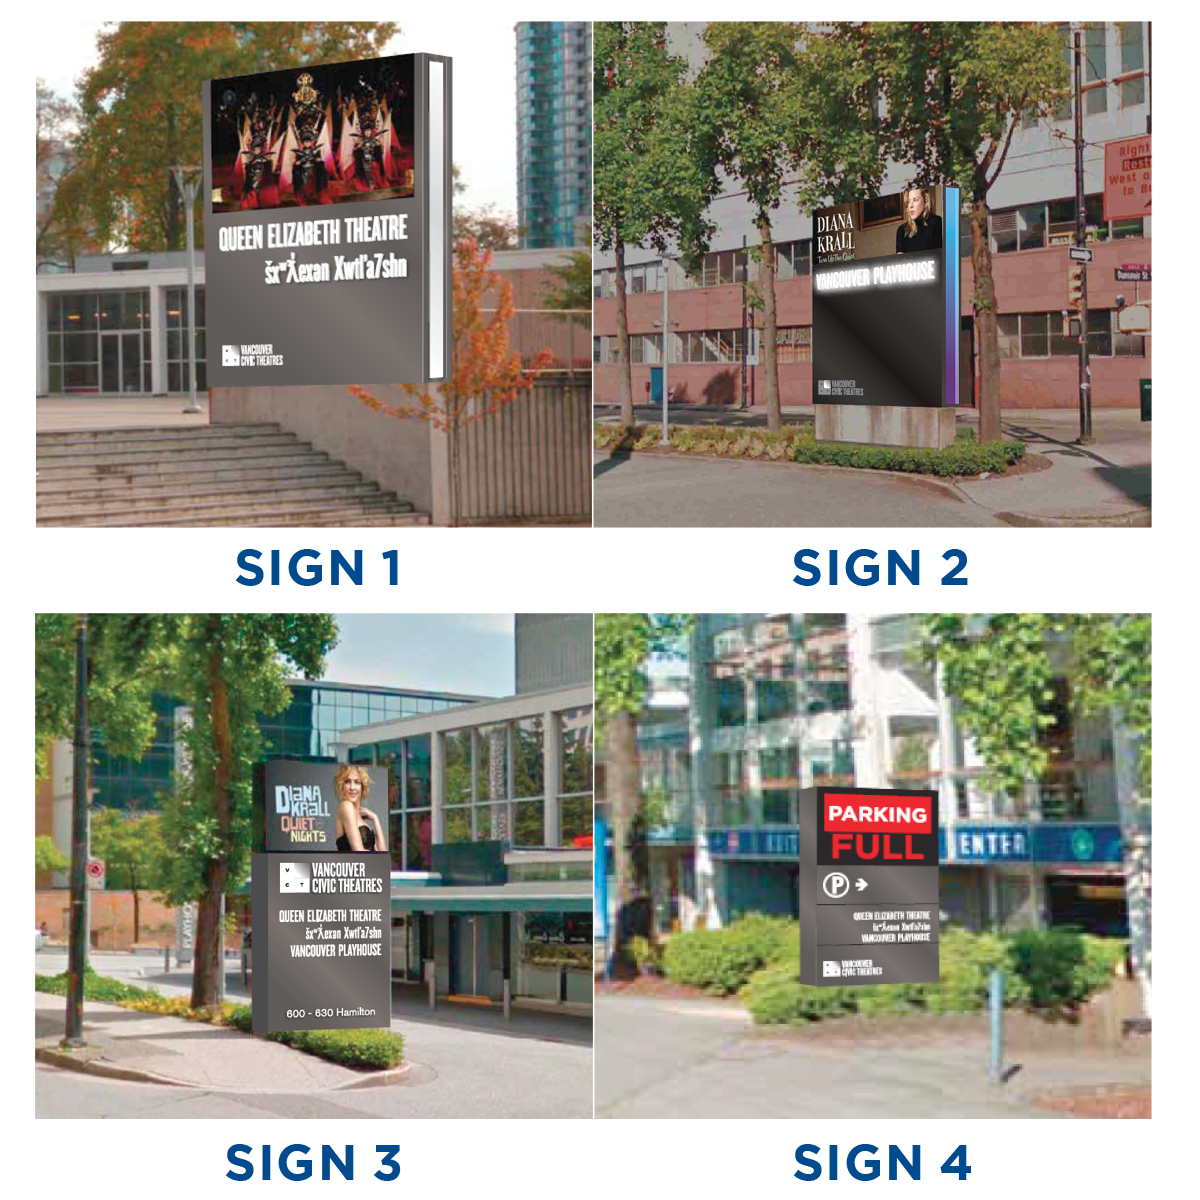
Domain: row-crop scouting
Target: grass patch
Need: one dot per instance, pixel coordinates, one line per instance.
(966, 456)
(377, 1049)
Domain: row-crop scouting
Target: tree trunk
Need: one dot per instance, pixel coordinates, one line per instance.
(624, 374)
(623, 784)
(985, 321)
(208, 918)
(454, 498)
(137, 927)
(766, 281)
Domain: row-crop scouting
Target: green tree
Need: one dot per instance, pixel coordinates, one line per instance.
(133, 851)
(648, 187)
(952, 95)
(230, 668)
(47, 856)
(128, 656)
(769, 113)
(999, 670)
(140, 111)
(623, 644)
(570, 296)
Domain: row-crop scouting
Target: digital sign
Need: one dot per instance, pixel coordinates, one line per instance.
(886, 296)
(327, 224)
(869, 906)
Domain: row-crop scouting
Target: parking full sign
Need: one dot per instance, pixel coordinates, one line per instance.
(868, 886)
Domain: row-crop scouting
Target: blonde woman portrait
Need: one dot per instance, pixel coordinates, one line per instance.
(357, 827)
(921, 229)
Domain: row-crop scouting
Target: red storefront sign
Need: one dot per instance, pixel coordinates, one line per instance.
(1127, 178)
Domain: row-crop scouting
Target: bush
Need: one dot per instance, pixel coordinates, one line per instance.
(1051, 971)
(95, 987)
(376, 1048)
(1062, 967)
(722, 960)
(965, 457)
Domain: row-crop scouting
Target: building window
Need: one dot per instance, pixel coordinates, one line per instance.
(708, 346)
(1039, 335)
(1132, 81)
(178, 367)
(99, 342)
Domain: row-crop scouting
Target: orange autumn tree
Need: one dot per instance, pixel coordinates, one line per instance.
(487, 373)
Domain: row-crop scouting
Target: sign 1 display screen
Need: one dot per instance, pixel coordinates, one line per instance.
(327, 224)
(886, 299)
(869, 908)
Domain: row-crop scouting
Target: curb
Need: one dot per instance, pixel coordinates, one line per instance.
(1133, 518)
(97, 1066)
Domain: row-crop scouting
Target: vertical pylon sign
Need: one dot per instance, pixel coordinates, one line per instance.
(321, 919)
(869, 908)
(327, 224)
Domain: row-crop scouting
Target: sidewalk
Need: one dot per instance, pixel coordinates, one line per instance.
(1106, 483)
(143, 1047)
(56, 414)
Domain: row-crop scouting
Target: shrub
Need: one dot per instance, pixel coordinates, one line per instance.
(376, 1048)
(1048, 971)
(722, 960)
(966, 456)
(1062, 967)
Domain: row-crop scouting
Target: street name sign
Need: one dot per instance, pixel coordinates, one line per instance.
(869, 905)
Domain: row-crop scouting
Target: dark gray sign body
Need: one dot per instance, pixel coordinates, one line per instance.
(324, 263)
(322, 941)
(868, 886)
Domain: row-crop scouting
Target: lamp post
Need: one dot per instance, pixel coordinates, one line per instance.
(78, 934)
(187, 179)
(666, 326)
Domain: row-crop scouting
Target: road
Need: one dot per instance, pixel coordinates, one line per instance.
(641, 490)
(685, 1058)
(467, 1063)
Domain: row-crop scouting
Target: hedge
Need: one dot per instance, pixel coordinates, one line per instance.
(1050, 971)
(377, 1048)
(722, 960)
(795, 444)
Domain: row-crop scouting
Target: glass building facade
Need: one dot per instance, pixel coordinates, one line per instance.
(524, 780)
(102, 342)
(781, 702)
(316, 717)
(554, 132)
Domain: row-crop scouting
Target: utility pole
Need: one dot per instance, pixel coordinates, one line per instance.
(188, 181)
(665, 437)
(78, 934)
(1085, 383)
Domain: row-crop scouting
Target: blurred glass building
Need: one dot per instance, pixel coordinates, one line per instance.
(773, 703)
(554, 132)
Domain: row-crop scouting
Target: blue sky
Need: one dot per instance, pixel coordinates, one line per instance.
(451, 652)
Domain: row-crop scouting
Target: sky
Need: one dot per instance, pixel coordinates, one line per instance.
(485, 90)
(470, 653)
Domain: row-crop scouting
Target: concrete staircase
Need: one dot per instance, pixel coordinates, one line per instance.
(252, 475)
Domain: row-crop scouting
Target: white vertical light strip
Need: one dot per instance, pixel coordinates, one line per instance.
(436, 193)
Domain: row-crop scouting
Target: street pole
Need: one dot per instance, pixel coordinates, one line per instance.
(1085, 398)
(78, 934)
(188, 181)
(666, 288)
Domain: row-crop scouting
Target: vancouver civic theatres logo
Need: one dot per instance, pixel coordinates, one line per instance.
(831, 968)
(825, 387)
(295, 877)
(260, 355)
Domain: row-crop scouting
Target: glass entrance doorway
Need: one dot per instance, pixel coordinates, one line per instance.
(123, 368)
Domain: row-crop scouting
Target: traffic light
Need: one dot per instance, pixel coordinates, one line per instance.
(1075, 286)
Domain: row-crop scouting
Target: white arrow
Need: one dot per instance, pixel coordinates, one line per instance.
(860, 884)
